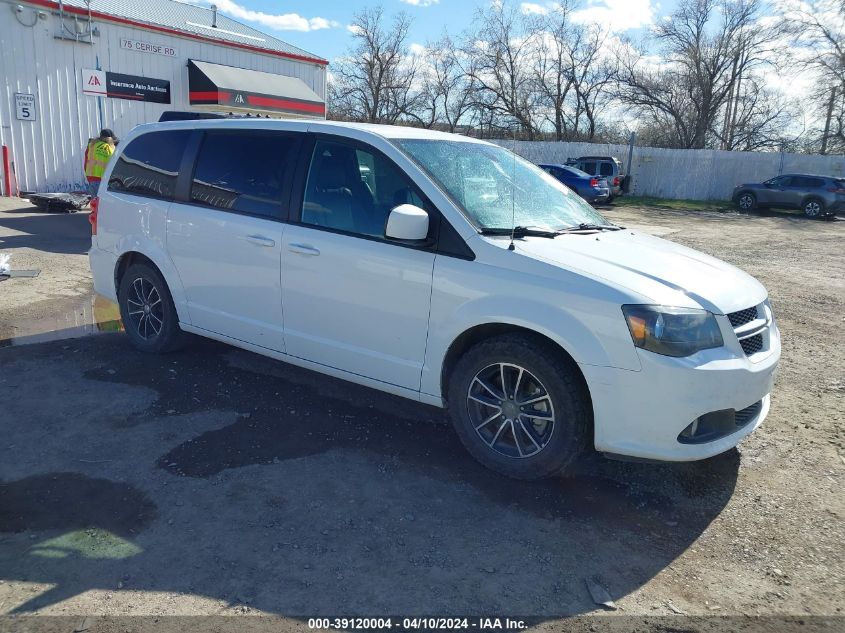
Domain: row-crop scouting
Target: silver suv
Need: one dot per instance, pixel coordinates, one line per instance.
(816, 196)
(607, 167)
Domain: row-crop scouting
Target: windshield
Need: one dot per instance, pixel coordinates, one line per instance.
(496, 188)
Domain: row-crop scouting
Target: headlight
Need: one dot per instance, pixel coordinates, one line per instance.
(672, 331)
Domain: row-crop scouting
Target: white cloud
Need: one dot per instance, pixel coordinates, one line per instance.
(420, 3)
(530, 8)
(277, 21)
(617, 15)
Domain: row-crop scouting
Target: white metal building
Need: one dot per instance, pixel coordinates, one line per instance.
(72, 67)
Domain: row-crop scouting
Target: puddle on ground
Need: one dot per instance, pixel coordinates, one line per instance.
(94, 315)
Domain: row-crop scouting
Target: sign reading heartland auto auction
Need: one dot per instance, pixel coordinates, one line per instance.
(120, 86)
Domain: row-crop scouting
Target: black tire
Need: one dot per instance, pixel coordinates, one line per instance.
(568, 401)
(746, 201)
(813, 208)
(143, 289)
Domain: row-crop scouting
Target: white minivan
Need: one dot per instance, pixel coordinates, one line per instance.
(440, 268)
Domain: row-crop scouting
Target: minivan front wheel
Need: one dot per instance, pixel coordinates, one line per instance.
(147, 311)
(518, 409)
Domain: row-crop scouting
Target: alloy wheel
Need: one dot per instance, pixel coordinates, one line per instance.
(746, 201)
(511, 410)
(813, 208)
(145, 309)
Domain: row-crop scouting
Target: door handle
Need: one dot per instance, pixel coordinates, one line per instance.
(260, 240)
(303, 249)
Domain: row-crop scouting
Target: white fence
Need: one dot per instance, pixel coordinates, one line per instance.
(685, 174)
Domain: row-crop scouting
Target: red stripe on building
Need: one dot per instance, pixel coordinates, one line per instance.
(120, 95)
(48, 4)
(286, 104)
(208, 95)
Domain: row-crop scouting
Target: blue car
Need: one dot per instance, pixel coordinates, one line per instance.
(594, 189)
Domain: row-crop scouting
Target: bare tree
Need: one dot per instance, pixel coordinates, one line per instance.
(447, 94)
(708, 47)
(502, 48)
(818, 27)
(759, 119)
(554, 73)
(375, 82)
(592, 75)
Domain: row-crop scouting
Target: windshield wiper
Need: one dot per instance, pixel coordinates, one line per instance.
(520, 231)
(585, 226)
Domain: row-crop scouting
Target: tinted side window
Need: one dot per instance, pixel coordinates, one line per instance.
(606, 169)
(352, 190)
(589, 167)
(244, 171)
(814, 183)
(150, 164)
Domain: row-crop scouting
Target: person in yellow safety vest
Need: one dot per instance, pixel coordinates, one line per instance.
(97, 156)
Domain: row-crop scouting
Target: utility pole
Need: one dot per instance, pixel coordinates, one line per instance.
(726, 128)
(630, 166)
(827, 119)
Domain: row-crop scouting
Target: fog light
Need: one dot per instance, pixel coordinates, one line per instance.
(708, 427)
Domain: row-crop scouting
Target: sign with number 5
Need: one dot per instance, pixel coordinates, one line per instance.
(24, 107)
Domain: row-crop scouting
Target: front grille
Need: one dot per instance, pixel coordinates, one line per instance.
(743, 417)
(752, 344)
(742, 317)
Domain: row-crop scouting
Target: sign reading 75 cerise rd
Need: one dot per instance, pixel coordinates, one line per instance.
(147, 47)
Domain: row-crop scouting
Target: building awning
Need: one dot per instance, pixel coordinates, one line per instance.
(242, 89)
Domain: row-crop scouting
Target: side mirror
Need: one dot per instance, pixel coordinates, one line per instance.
(407, 223)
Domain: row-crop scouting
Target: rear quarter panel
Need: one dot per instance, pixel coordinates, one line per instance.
(128, 223)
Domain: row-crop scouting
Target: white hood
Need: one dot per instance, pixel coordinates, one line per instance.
(665, 272)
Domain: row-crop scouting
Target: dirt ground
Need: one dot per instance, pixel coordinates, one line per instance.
(217, 482)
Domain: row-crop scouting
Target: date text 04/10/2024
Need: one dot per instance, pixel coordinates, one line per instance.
(418, 623)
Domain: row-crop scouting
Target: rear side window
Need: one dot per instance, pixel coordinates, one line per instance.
(805, 182)
(244, 172)
(149, 165)
(589, 167)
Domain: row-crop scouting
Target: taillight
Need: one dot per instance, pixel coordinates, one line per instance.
(594, 182)
(616, 181)
(836, 189)
(92, 218)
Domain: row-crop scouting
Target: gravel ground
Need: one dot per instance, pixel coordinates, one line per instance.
(217, 482)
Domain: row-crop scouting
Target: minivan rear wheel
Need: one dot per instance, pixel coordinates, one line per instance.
(518, 408)
(147, 310)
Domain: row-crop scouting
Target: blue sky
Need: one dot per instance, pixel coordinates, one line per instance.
(320, 26)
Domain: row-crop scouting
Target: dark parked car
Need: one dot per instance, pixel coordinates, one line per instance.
(593, 189)
(816, 196)
(604, 167)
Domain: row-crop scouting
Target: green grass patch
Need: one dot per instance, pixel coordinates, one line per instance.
(669, 203)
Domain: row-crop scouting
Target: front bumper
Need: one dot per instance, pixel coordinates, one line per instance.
(641, 413)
